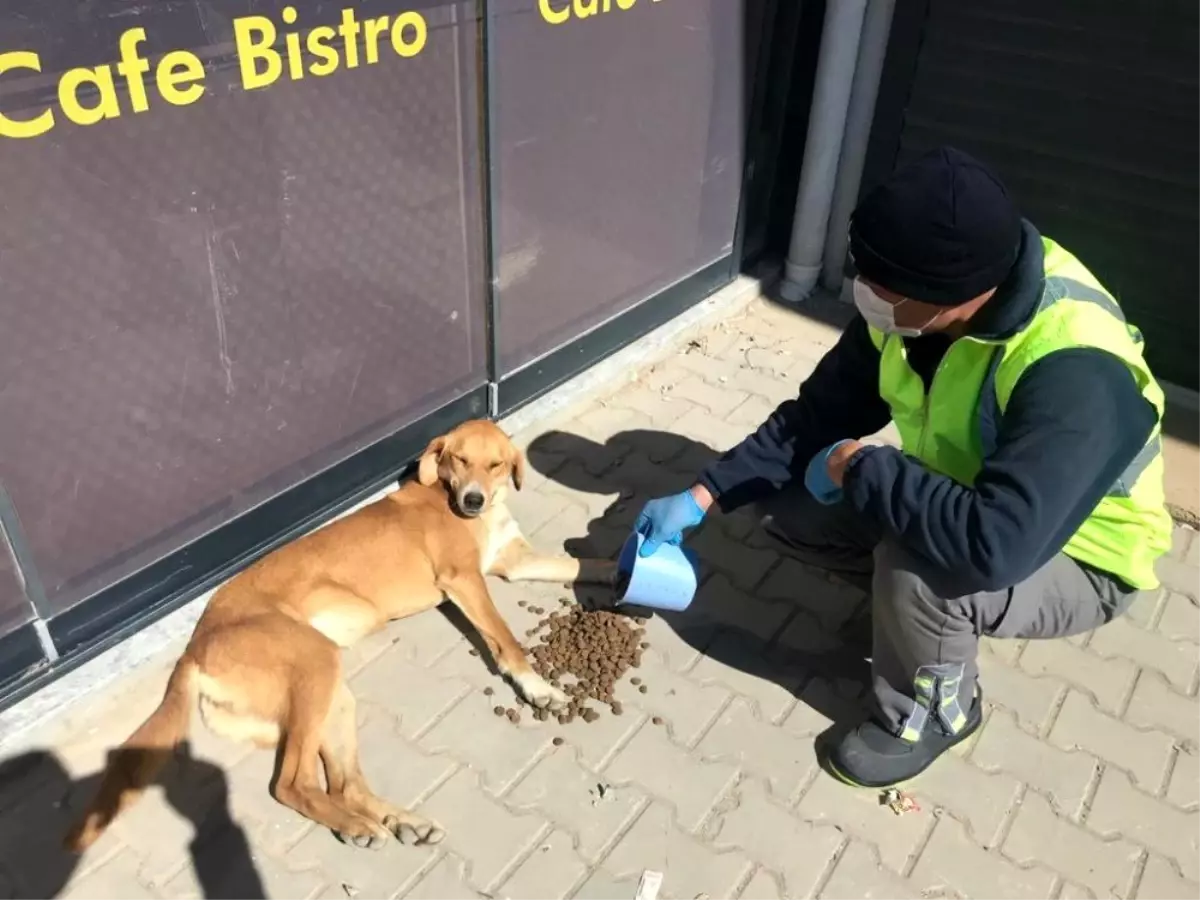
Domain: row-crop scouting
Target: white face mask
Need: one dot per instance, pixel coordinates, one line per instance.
(880, 314)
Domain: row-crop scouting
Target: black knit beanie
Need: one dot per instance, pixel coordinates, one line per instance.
(940, 230)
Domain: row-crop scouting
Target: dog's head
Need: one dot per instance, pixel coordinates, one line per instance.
(475, 462)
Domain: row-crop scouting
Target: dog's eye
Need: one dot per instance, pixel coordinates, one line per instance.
(496, 465)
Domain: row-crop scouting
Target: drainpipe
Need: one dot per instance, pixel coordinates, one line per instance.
(823, 146)
(872, 48)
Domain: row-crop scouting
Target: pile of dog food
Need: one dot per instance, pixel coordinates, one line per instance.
(584, 653)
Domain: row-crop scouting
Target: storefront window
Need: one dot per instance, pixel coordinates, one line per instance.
(227, 263)
(618, 157)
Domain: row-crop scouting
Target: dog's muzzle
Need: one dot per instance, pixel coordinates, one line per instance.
(471, 501)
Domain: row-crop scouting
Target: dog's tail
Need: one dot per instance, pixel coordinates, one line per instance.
(134, 765)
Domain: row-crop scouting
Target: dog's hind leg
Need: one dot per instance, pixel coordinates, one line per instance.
(339, 754)
(315, 670)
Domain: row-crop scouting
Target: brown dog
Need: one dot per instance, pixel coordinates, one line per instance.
(263, 662)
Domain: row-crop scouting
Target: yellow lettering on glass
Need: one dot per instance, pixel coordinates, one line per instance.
(23, 128)
(253, 37)
(178, 76)
(554, 16)
(106, 106)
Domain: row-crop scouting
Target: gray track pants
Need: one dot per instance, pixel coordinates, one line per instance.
(925, 640)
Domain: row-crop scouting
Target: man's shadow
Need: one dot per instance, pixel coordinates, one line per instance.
(39, 801)
(639, 465)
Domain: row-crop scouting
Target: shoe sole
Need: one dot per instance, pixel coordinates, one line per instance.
(881, 785)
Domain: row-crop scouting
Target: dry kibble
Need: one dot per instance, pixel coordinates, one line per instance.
(498, 710)
(635, 681)
(558, 742)
(657, 720)
(513, 716)
(584, 653)
(473, 652)
(643, 689)
(487, 692)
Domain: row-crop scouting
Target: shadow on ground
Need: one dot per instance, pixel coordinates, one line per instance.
(822, 646)
(39, 801)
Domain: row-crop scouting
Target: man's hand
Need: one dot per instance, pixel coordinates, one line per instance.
(827, 470)
(664, 520)
(839, 457)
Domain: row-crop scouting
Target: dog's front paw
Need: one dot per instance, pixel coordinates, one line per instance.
(541, 693)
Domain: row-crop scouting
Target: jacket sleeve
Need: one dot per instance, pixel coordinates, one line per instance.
(839, 400)
(1075, 421)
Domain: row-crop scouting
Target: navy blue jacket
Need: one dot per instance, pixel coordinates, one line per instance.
(1075, 420)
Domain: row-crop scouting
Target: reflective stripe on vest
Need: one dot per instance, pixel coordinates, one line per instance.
(1058, 288)
(954, 426)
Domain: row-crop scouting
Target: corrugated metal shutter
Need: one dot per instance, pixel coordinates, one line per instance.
(1089, 111)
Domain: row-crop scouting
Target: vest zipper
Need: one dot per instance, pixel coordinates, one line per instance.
(925, 405)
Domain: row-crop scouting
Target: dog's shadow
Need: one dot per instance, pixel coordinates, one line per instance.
(39, 801)
(639, 465)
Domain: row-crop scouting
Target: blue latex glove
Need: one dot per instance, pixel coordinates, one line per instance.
(664, 520)
(817, 480)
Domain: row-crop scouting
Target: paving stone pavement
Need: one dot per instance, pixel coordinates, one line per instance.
(1084, 780)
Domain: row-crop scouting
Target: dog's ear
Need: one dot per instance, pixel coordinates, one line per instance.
(518, 467)
(427, 468)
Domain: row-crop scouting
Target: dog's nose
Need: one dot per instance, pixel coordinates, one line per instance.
(472, 502)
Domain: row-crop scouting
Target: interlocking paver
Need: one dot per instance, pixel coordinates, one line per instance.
(116, 879)
(859, 874)
(764, 750)
(491, 744)
(1039, 835)
(1121, 809)
(1146, 608)
(859, 813)
(1119, 641)
(1161, 881)
(447, 878)
(700, 425)
(979, 799)
(718, 400)
(1155, 704)
(1183, 790)
(578, 801)
(799, 851)
(686, 708)
(1031, 699)
(668, 771)
(827, 602)
(724, 797)
(1063, 775)
(751, 413)
(370, 873)
(737, 662)
(1107, 680)
(549, 871)
(229, 872)
(952, 863)
(689, 866)
(664, 409)
(1180, 618)
(482, 830)
(744, 564)
(414, 695)
(1179, 575)
(1144, 754)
